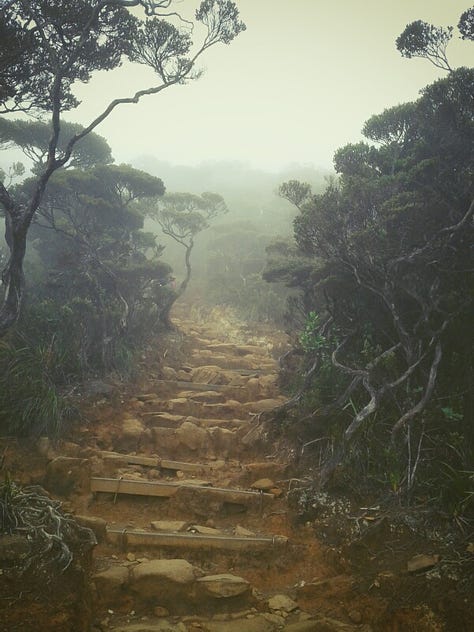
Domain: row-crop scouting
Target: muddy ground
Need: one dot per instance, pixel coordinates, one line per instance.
(344, 564)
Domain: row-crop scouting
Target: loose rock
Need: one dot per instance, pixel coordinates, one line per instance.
(223, 586)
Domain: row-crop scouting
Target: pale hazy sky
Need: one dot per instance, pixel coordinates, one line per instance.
(298, 84)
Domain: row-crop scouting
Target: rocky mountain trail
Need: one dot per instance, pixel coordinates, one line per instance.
(190, 505)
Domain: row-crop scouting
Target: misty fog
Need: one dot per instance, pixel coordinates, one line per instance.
(236, 307)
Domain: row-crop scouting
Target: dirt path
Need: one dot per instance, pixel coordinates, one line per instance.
(198, 527)
(190, 509)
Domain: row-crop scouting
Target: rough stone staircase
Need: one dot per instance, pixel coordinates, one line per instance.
(191, 519)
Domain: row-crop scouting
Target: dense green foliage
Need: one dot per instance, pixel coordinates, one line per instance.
(383, 260)
(420, 39)
(97, 293)
(30, 400)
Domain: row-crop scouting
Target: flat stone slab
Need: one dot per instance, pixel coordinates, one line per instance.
(194, 385)
(255, 624)
(173, 526)
(209, 375)
(422, 562)
(264, 405)
(243, 532)
(176, 570)
(223, 586)
(204, 397)
(166, 420)
(325, 624)
(184, 466)
(203, 530)
(265, 484)
(211, 422)
(283, 603)
(258, 353)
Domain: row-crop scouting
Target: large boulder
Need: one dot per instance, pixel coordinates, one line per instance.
(265, 469)
(252, 388)
(131, 436)
(268, 385)
(97, 525)
(223, 442)
(168, 373)
(164, 440)
(147, 576)
(282, 603)
(192, 437)
(168, 583)
(110, 585)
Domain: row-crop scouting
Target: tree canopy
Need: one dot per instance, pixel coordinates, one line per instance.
(33, 137)
(385, 272)
(421, 39)
(181, 217)
(46, 47)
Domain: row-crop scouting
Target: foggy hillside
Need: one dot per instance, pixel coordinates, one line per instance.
(249, 193)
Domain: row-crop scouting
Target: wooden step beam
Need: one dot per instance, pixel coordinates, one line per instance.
(133, 459)
(165, 464)
(130, 486)
(167, 490)
(137, 537)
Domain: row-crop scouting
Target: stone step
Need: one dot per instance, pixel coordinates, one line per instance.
(156, 462)
(234, 363)
(184, 466)
(173, 585)
(126, 538)
(197, 386)
(187, 406)
(238, 349)
(168, 420)
(248, 622)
